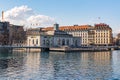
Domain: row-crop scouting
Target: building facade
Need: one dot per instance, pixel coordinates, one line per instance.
(103, 34)
(17, 35)
(11, 34)
(53, 38)
(4, 33)
(99, 34)
(116, 40)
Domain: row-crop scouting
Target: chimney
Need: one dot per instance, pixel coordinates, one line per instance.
(2, 15)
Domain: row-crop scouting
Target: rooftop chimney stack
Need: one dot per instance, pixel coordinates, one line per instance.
(2, 15)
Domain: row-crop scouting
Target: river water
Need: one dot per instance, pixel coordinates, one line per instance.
(104, 65)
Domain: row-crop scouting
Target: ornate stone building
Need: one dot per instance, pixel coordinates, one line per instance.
(103, 34)
(99, 34)
(52, 38)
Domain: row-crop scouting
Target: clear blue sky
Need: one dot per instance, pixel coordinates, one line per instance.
(70, 12)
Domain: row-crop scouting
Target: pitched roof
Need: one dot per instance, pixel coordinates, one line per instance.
(102, 26)
(68, 28)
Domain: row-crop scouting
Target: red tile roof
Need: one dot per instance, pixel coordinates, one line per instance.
(79, 27)
(65, 28)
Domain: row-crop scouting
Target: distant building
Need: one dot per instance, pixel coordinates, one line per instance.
(52, 38)
(99, 34)
(33, 37)
(116, 40)
(17, 35)
(10, 34)
(4, 33)
(103, 34)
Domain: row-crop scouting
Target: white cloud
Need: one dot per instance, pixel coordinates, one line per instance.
(40, 19)
(23, 15)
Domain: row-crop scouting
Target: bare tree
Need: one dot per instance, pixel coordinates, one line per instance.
(18, 35)
(1, 39)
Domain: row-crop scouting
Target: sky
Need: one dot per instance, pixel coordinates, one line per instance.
(45, 13)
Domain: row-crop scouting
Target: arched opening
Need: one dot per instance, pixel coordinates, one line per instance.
(68, 42)
(43, 42)
(76, 43)
(47, 42)
(33, 41)
(29, 41)
(63, 42)
(59, 41)
(36, 41)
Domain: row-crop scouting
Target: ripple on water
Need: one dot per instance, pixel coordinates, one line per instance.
(60, 66)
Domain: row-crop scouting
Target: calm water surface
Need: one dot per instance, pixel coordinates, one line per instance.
(60, 65)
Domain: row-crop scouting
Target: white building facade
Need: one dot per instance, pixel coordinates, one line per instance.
(54, 38)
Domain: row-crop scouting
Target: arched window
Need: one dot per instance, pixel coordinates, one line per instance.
(73, 41)
(29, 41)
(43, 42)
(68, 42)
(76, 43)
(48, 42)
(63, 42)
(33, 41)
(59, 41)
(51, 42)
(36, 41)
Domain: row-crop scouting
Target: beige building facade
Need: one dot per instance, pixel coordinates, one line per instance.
(99, 34)
(103, 34)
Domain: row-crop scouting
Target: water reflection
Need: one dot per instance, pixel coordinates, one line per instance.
(10, 63)
(96, 65)
(65, 65)
(60, 65)
(116, 64)
(81, 65)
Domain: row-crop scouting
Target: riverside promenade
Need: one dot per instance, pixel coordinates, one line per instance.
(94, 48)
(61, 49)
(25, 48)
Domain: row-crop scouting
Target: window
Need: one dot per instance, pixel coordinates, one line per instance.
(67, 41)
(33, 41)
(36, 41)
(76, 43)
(43, 42)
(63, 42)
(59, 41)
(48, 42)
